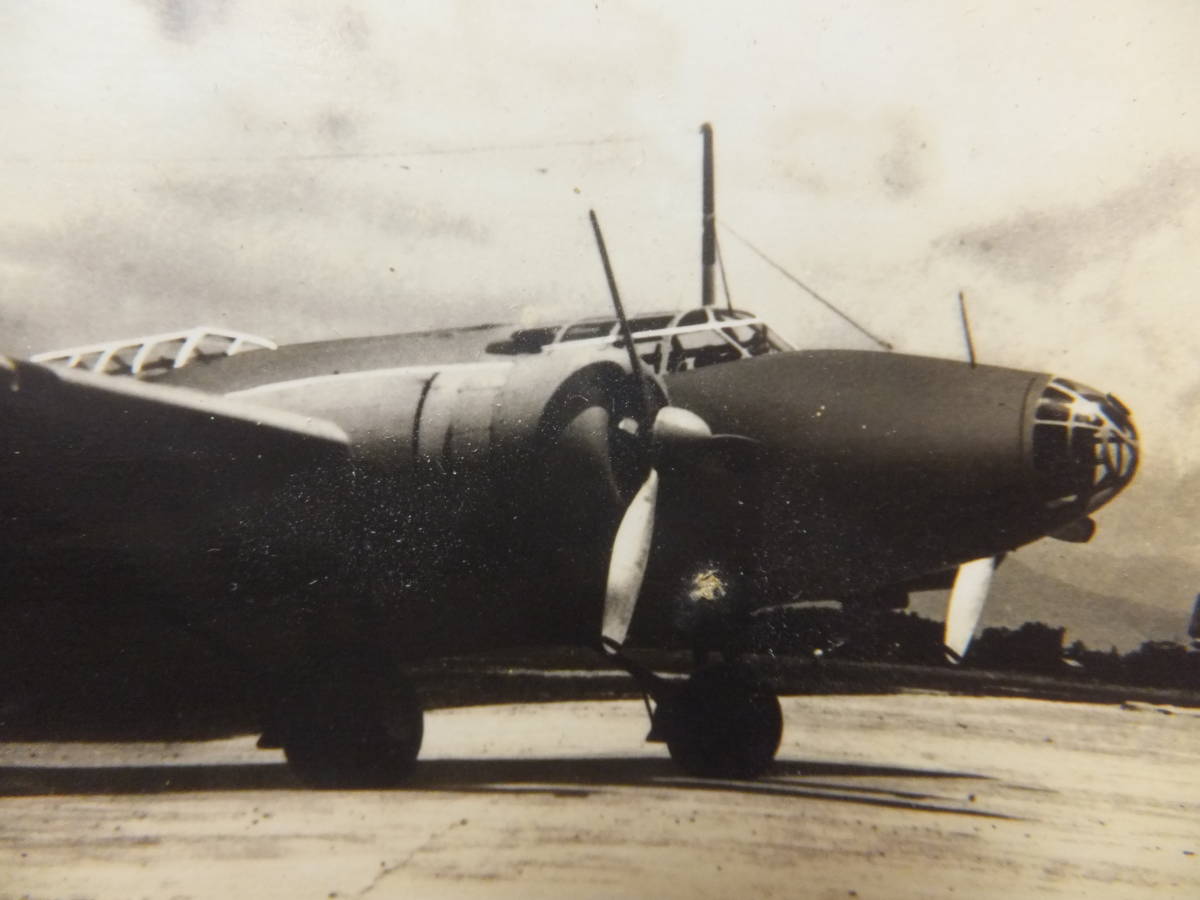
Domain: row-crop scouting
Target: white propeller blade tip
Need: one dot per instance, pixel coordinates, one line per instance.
(630, 554)
(967, 599)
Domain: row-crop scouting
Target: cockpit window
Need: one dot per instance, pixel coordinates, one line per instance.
(666, 342)
(531, 340)
(582, 331)
(1083, 443)
(745, 334)
(754, 336)
(755, 339)
(649, 323)
(697, 349)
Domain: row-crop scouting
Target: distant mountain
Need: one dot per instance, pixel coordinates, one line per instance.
(1021, 593)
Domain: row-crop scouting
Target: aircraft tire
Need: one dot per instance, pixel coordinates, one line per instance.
(357, 729)
(724, 723)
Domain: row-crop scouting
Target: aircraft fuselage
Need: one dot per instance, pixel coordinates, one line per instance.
(467, 508)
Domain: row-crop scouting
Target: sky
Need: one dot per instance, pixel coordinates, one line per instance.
(305, 170)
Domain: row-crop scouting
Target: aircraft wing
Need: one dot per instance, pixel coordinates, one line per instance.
(98, 472)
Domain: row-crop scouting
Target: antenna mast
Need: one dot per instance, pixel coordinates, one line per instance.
(709, 240)
(966, 324)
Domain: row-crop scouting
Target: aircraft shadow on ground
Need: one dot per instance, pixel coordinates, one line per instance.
(581, 777)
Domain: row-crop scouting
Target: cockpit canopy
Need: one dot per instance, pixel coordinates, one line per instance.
(156, 353)
(666, 342)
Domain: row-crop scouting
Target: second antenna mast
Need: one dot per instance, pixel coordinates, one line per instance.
(708, 254)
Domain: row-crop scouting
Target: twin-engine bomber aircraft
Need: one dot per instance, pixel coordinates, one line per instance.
(319, 515)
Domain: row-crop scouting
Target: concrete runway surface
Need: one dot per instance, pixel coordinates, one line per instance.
(912, 795)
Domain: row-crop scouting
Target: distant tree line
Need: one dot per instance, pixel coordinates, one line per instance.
(873, 635)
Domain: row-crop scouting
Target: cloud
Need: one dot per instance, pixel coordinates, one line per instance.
(1052, 246)
(309, 198)
(354, 28)
(336, 126)
(903, 167)
(185, 20)
(273, 254)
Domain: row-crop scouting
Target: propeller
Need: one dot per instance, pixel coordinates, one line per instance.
(631, 546)
(674, 429)
(967, 599)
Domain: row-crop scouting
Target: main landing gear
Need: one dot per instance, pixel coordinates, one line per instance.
(723, 722)
(348, 724)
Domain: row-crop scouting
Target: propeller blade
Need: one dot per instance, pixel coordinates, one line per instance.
(967, 599)
(636, 366)
(627, 567)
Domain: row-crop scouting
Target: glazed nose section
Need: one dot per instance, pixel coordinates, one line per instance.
(1084, 445)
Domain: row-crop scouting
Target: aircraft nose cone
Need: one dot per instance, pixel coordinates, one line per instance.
(1085, 445)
